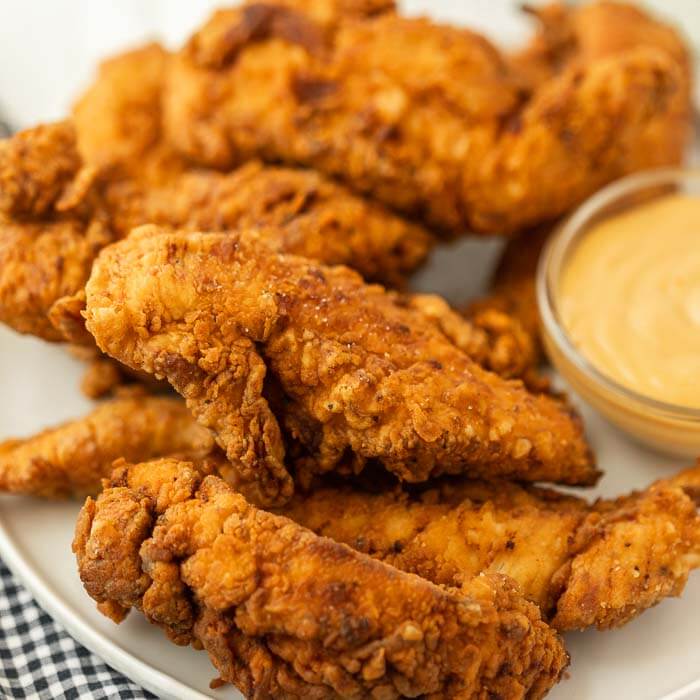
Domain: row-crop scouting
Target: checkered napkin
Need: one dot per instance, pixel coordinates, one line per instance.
(39, 660)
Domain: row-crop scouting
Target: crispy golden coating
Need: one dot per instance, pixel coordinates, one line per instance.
(511, 303)
(631, 554)
(40, 263)
(50, 228)
(118, 119)
(104, 377)
(56, 214)
(582, 34)
(284, 613)
(119, 127)
(306, 213)
(71, 459)
(493, 338)
(428, 118)
(47, 259)
(599, 564)
(569, 36)
(358, 371)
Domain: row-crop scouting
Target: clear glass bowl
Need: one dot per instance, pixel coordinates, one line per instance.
(663, 426)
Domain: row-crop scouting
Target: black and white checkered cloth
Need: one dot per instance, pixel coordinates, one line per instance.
(39, 660)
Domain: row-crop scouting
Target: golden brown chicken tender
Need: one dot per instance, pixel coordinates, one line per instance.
(47, 258)
(359, 373)
(493, 338)
(72, 459)
(512, 297)
(429, 119)
(576, 35)
(584, 564)
(579, 35)
(104, 377)
(284, 613)
(56, 213)
(118, 118)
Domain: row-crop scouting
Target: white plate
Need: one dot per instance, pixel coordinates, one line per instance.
(655, 656)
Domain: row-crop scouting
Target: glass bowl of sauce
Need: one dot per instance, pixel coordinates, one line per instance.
(618, 288)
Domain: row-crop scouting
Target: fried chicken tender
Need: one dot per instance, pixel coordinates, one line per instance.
(430, 119)
(496, 346)
(118, 119)
(56, 214)
(583, 564)
(49, 233)
(313, 217)
(511, 303)
(494, 338)
(104, 377)
(284, 613)
(577, 36)
(582, 34)
(358, 371)
(72, 459)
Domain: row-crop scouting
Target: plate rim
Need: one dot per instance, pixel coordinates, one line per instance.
(109, 651)
(118, 658)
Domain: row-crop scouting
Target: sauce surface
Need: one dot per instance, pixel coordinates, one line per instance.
(629, 297)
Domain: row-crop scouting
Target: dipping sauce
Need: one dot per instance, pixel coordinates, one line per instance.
(629, 298)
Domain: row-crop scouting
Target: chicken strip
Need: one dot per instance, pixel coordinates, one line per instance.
(48, 254)
(284, 613)
(358, 372)
(103, 376)
(50, 230)
(492, 337)
(118, 119)
(494, 340)
(577, 35)
(513, 298)
(429, 119)
(56, 214)
(73, 458)
(580, 35)
(583, 564)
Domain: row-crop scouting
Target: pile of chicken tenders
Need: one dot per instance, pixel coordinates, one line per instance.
(297, 464)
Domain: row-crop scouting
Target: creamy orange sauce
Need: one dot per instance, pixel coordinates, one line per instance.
(629, 298)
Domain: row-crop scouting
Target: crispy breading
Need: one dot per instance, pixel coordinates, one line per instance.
(306, 213)
(584, 564)
(40, 263)
(55, 214)
(513, 298)
(118, 118)
(428, 118)
(72, 459)
(46, 259)
(284, 613)
(359, 372)
(105, 377)
(102, 377)
(493, 338)
(578, 35)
